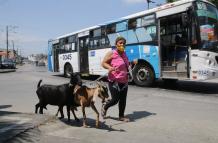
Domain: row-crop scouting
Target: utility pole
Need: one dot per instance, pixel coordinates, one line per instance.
(7, 42)
(14, 56)
(9, 28)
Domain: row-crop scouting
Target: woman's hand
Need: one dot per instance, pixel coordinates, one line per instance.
(110, 69)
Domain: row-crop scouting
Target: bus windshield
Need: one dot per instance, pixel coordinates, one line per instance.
(207, 16)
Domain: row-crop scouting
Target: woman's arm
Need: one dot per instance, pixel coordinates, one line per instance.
(106, 61)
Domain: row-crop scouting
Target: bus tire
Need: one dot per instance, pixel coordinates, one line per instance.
(67, 70)
(143, 75)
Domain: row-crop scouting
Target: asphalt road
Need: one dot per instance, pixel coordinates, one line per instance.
(181, 113)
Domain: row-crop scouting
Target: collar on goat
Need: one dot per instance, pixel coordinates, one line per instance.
(76, 88)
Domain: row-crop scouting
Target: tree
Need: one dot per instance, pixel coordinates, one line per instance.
(171, 1)
(212, 1)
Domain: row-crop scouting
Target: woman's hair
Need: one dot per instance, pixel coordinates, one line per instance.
(120, 38)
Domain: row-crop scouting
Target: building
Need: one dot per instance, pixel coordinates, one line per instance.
(12, 54)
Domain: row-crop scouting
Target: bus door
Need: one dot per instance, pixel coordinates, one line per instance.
(56, 53)
(83, 54)
(174, 47)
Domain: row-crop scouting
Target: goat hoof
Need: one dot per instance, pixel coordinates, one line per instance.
(61, 118)
(77, 120)
(85, 126)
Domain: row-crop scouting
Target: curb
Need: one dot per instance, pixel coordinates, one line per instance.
(7, 70)
(14, 130)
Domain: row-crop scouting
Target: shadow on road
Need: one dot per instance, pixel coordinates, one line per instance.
(135, 115)
(30, 136)
(139, 114)
(91, 124)
(13, 131)
(5, 106)
(189, 86)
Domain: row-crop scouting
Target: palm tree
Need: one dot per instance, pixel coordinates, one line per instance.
(214, 2)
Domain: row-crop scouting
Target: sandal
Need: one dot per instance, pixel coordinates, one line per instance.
(124, 119)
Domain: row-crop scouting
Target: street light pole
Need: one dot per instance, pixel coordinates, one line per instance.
(149, 1)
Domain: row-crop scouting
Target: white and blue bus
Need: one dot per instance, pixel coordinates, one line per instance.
(173, 41)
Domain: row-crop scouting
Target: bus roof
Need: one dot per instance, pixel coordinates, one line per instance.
(160, 8)
(79, 31)
(156, 9)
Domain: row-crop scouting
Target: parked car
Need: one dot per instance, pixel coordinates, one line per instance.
(40, 63)
(8, 64)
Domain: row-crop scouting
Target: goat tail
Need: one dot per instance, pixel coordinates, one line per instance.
(39, 83)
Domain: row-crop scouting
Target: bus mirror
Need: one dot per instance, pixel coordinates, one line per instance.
(185, 19)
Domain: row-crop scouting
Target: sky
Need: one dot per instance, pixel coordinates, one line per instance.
(31, 23)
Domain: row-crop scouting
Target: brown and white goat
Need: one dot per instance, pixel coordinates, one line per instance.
(86, 97)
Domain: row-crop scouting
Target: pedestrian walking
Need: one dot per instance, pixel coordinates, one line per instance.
(117, 64)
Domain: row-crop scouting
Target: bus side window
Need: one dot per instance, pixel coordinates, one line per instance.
(103, 41)
(132, 23)
(111, 28)
(96, 43)
(194, 42)
(81, 44)
(91, 44)
(73, 47)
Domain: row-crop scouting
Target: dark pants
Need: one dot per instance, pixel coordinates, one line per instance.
(118, 94)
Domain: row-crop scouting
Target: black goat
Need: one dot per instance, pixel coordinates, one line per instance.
(59, 95)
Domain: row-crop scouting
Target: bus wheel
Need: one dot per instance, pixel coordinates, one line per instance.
(68, 70)
(143, 75)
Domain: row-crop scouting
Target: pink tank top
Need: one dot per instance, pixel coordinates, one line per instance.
(120, 62)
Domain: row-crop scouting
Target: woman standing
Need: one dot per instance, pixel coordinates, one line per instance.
(117, 64)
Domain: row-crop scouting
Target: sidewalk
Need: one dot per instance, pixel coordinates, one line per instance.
(7, 70)
(13, 124)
